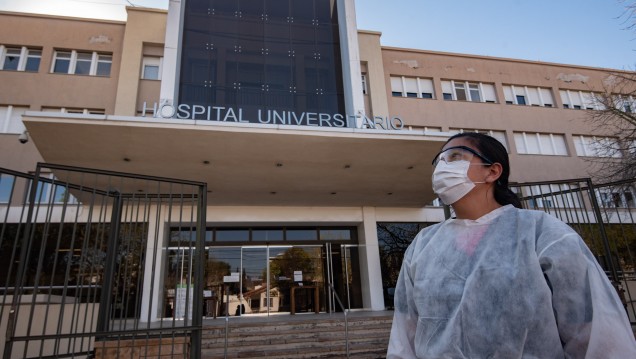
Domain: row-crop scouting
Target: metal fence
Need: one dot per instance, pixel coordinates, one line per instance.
(82, 262)
(605, 217)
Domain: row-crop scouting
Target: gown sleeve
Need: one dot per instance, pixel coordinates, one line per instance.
(591, 320)
(401, 342)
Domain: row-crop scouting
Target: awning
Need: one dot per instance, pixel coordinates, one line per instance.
(249, 164)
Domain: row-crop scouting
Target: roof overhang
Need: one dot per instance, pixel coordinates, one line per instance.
(250, 164)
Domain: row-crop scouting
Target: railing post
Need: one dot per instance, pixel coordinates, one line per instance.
(106, 297)
(199, 263)
(599, 220)
(19, 282)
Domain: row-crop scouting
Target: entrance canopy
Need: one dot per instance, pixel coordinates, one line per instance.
(250, 164)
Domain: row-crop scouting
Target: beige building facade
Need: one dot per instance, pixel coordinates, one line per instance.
(84, 105)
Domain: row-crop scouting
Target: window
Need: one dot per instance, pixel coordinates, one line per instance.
(6, 187)
(580, 100)
(81, 63)
(51, 191)
(528, 96)
(152, 68)
(540, 144)
(11, 119)
(414, 87)
(20, 58)
(468, 91)
(616, 197)
(364, 84)
(499, 135)
(551, 196)
(521, 100)
(84, 111)
(593, 146)
(624, 103)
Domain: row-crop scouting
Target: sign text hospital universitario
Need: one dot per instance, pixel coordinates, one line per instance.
(269, 116)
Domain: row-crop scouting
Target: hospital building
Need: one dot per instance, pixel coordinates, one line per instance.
(268, 154)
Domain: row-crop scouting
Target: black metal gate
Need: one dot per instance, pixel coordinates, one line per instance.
(82, 260)
(605, 217)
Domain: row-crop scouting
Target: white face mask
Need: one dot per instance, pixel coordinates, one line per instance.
(451, 182)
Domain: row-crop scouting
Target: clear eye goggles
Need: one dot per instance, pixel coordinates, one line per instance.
(458, 153)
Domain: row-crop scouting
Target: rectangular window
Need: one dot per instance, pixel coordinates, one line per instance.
(410, 85)
(61, 62)
(364, 82)
(152, 70)
(475, 94)
(528, 96)
(489, 93)
(396, 86)
(6, 187)
(460, 91)
(19, 58)
(33, 60)
(468, 91)
(11, 58)
(593, 146)
(81, 63)
(499, 135)
(413, 87)
(104, 63)
(51, 191)
(521, 100)
(426, 88)
(540, 143)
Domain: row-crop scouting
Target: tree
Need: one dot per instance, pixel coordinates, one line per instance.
(616, 117)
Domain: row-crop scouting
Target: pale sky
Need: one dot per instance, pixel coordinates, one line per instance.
(579, 32)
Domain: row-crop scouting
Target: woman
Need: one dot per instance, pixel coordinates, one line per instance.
(498, 281)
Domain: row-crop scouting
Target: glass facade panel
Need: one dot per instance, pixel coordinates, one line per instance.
(302, 235)
(232, 235)
(267, 235)
(263, 57)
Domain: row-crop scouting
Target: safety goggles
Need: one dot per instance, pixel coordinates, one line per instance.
(458, 153)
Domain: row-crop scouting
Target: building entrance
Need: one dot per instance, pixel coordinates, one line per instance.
(268, 279)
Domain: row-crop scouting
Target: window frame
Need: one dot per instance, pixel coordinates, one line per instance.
(421, 90)
(96, 59)
(540, 141)
(148, 61)
(23, 57)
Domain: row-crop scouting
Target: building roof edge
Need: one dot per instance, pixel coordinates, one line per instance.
(507, 59)
(60, 17)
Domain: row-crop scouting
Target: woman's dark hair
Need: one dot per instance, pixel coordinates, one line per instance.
(492, 149)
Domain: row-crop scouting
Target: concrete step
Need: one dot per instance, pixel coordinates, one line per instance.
(314, 337)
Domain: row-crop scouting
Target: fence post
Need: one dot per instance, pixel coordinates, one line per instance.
(106, 297)
(601, 226)
(198, 265)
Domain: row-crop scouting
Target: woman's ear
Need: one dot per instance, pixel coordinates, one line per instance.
(495, 171)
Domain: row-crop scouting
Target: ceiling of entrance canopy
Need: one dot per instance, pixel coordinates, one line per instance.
(251, 165)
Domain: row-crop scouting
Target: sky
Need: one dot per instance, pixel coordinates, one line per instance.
(578, 32)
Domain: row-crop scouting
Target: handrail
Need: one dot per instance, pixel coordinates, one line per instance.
(344, 310)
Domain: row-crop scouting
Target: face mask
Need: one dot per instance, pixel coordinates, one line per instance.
(451, 182)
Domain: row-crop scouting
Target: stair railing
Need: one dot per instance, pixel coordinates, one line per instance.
(344, 310)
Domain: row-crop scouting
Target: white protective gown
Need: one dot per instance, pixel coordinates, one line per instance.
(511, 284)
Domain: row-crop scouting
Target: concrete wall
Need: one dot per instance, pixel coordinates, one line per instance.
(46, 89)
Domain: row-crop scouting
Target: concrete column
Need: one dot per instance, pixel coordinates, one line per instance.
(171, 56)
(152, 293)
(351, 73)
(371, 273)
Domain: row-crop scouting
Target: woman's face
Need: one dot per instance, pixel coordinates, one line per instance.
(477, 172)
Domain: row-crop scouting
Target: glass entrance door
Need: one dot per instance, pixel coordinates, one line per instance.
(273, 279)
(297, 279)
